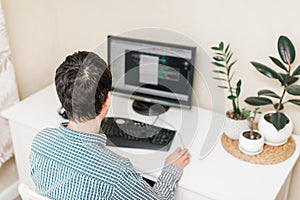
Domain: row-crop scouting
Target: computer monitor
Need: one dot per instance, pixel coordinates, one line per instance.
(156, 75)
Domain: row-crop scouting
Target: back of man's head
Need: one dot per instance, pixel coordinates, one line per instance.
(82, 82)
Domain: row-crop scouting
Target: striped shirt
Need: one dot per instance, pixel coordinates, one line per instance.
(67, 164)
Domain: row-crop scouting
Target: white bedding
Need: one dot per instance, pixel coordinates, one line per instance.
(8, 91)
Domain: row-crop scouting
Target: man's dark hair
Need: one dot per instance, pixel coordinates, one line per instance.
(82, 82)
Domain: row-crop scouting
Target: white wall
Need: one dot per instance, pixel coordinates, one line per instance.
(32, 32)
(43, 32)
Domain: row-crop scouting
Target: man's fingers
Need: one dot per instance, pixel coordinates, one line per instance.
(184, 151)
(184, 155)
(178, 149)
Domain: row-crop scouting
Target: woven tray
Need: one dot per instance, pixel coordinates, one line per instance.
(270, 154)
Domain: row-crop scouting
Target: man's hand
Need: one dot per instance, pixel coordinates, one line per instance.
(180, 158)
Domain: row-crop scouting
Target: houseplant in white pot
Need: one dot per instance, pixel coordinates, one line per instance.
(235, 120)
(251, 141)
(277, 126)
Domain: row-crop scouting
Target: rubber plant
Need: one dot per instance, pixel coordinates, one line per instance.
(287, 78)
(224, 63)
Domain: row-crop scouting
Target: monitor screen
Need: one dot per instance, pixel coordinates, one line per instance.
(154, 72)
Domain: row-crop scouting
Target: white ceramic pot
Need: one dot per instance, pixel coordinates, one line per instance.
(251, 146)
(272, 136)
(233, 128)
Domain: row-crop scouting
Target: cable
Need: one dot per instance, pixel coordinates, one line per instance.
(157, 116)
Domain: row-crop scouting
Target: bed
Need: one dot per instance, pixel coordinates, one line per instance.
(8, 91)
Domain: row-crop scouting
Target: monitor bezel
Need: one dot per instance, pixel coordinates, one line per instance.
(152, 98)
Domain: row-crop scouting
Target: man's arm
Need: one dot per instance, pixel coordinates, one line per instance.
(132, 186)
(166, 183)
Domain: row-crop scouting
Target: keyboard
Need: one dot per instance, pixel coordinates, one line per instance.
(124, 132)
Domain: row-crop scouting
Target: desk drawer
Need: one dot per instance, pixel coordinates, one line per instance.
(182, 194)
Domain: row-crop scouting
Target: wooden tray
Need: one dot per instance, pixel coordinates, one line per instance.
(270, 154)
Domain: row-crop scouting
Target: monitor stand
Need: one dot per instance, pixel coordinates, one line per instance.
(149, 109)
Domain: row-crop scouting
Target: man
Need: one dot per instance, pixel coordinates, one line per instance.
(72, 162)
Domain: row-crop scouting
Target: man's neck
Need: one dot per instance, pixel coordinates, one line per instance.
(91, 126)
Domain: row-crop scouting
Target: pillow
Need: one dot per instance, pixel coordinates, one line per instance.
(8, 97)
(8, 91)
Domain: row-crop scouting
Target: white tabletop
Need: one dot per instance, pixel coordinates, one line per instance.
(218, 176)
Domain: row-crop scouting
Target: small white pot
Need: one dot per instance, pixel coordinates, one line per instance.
(251, 146)
(272, 136)
(233, 128)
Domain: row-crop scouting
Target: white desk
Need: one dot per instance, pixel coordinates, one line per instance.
(218, 176)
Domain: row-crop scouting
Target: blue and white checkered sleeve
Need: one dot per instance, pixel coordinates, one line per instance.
(166, 183)
(132, 186)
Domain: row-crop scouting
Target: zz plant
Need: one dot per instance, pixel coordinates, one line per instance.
(287, 79)
(222, 59)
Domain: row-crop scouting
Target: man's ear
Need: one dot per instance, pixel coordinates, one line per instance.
(107, 101)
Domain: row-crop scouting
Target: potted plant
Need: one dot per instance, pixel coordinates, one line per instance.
(235, 121)
(277, 126)
(251, 141)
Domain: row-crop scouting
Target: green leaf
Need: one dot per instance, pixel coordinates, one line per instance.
(256, 111)
(258, 101)
(295, 101)
(232, 97)
(285, 46)
(279, 120)
(223, 87)
(294, 90)
(268, 93)
(218, 64)
(238, 88)
(287, 79)
(291, 80)
(297, 71)
(218, 58)
(221, 46)
(239, 83)
(280, 107)
(266, 71)
(219, 72)
(278, 63)
(219, 79)
(227, 48)
(220, 54)
(227, 54)
(228, 58)
(215, 48)
(230, 66)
